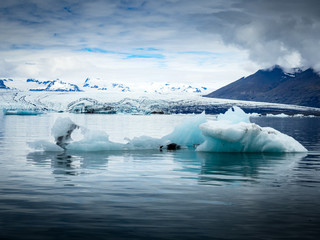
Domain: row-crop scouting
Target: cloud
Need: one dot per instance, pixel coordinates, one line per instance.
(148, 40)
(273, 32)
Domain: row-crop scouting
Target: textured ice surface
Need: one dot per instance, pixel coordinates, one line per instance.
(233, 132)
(188, 132)
(221, 136)
(144, 142)
(234, 115)
(46, 146)
(94, 141)
(141, 103)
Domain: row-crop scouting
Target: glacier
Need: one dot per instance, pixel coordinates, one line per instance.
(136, 103)
(229, 132)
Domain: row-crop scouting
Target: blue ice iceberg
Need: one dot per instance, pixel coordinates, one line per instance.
(188, 132)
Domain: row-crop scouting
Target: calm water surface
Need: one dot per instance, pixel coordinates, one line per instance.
(152, 194)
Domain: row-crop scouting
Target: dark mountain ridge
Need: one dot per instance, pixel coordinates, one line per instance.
(275, 86)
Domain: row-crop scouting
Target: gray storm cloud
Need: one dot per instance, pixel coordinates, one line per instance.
(284, 32)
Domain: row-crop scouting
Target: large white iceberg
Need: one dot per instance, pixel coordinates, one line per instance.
(245, 137)
(233, 132)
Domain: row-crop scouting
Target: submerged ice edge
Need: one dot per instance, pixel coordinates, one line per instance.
(231, 132)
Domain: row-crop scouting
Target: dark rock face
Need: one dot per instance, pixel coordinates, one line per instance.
(275, 86)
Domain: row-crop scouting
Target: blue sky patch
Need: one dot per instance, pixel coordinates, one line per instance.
(147, 49)
(68, 9)
(157, 56)
(95, 50)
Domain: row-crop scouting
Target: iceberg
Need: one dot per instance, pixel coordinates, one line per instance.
(25, 112)
(245, 137)
(62, 130)
(233, 132)
(230, 132)
(234, 115)
(188, 132)
(144, 143)
(94, 141)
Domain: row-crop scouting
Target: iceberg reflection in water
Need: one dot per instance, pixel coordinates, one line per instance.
(142, 194)
(206, 168)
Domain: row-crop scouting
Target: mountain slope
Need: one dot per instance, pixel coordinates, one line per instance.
(55, 85)
(275, 86)
(3, 85)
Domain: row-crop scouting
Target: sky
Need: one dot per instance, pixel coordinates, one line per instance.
(205, 42)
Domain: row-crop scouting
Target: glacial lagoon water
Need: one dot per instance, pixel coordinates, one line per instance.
(155, 194)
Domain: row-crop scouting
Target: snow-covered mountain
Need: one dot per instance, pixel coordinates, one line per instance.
(55, 85)
(3, 83)
(296, 87)
(100, 85)
(36, 85)
(174, 87)
(162, 87)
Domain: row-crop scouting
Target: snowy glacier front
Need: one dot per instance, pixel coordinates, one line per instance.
(230, 132)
